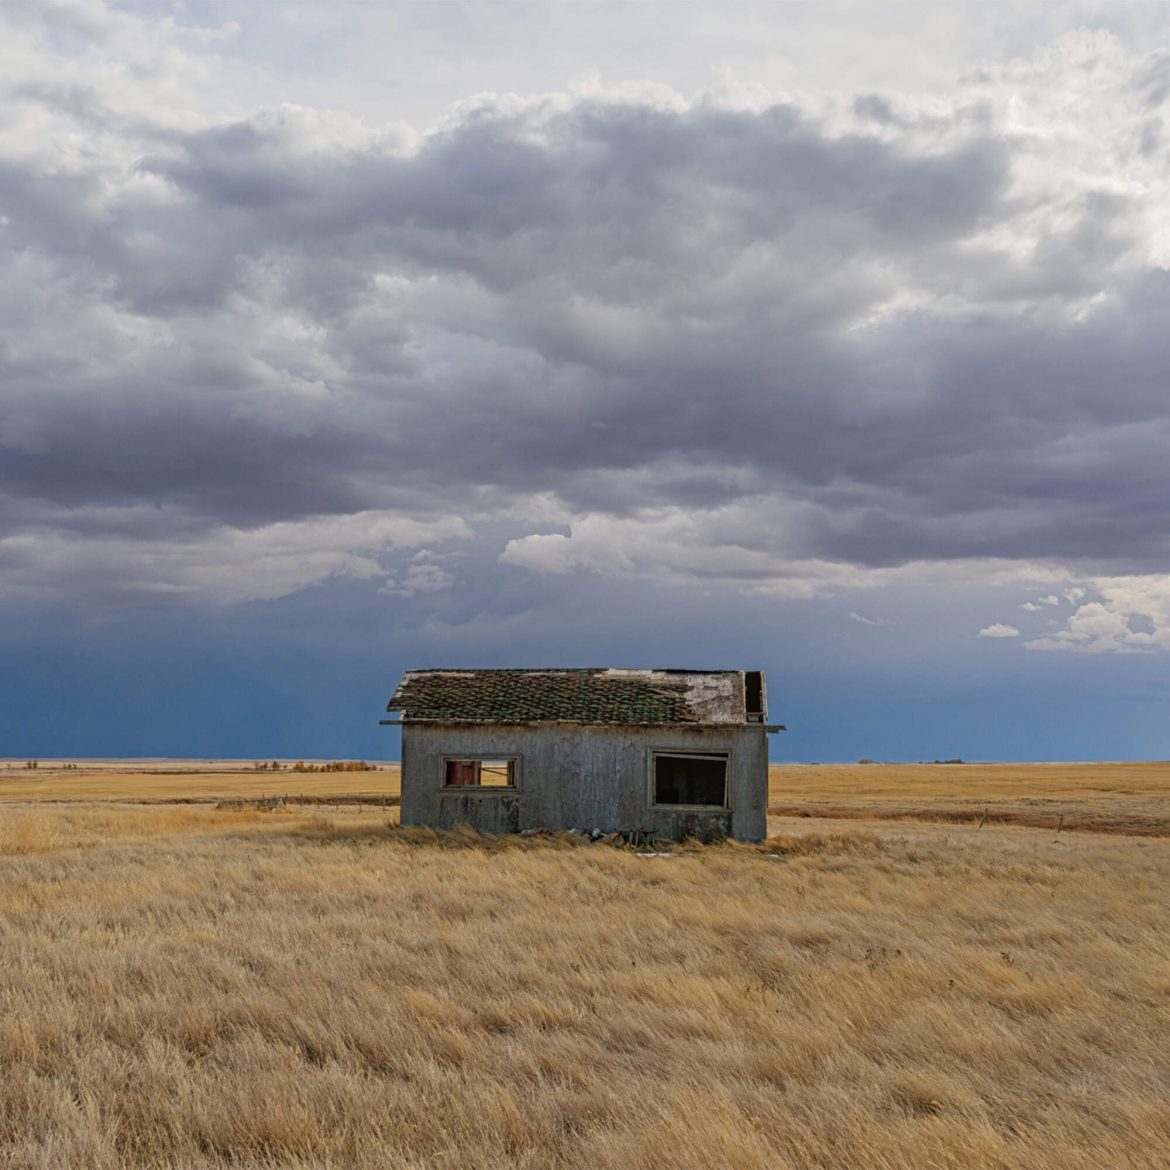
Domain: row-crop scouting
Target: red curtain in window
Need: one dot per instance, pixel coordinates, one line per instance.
(462, 772)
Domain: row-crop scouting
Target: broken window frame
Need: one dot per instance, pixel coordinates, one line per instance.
(674, 753)
(755, 696)
(480, 758)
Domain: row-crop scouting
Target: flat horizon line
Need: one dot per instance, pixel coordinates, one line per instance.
(251, 761)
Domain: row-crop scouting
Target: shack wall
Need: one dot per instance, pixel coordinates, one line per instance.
(581, 776)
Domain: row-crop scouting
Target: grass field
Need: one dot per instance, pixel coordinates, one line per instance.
(186, 986)
(183, 780)
(1128, 797)
(1118, 798)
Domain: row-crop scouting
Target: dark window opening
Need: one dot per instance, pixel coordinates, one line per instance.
(482, 772)
(753, 695)
(695, 780)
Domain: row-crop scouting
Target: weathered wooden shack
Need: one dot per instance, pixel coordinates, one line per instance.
(673, 753)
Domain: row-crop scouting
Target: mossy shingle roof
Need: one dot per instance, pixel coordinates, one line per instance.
(580, 696)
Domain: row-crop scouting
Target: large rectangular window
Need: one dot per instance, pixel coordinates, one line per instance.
(480, 772)
(695, 780)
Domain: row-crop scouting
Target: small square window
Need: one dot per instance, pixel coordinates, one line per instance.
(694, 780)
(480, 772)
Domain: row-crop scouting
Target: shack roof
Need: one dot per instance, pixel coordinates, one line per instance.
(578, 696)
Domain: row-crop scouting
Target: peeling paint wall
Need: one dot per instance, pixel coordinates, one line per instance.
(576, 776)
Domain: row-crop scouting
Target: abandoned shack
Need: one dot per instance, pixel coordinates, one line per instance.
(673, 753)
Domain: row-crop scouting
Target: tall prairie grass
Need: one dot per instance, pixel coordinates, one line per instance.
(332, 991)
(47, 828)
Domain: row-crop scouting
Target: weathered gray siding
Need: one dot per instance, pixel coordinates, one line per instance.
(580, 776)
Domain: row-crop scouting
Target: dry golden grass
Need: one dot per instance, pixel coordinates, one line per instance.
(279, 989)
(47, 829)
(1140, 790)
(1124, 797)
(1107, 797)
(976, 782)
(183, 780)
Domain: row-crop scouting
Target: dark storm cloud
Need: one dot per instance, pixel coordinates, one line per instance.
(613, 303)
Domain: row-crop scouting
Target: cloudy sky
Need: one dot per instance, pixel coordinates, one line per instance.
(829, 338)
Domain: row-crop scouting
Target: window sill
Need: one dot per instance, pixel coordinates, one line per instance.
(501, 788)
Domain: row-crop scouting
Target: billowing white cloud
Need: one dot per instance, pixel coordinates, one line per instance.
(725, 547)
(1132, 616)
(220, 565)
(998, 630)
(1038, 605)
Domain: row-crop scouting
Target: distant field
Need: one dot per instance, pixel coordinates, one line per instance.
(1129, 798)
(190, 987)
(1120, 798)
(184, 780)
(969, 781)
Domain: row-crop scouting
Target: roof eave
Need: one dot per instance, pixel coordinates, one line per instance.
(680, 723)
